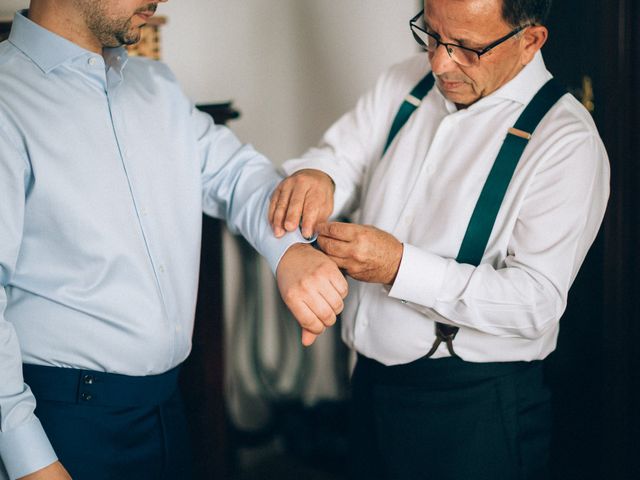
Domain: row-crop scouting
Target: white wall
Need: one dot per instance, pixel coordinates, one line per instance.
(291, 66)
(8, 7)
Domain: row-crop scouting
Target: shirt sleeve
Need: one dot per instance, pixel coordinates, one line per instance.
(237, 183)
(24, 446)
(558, 222)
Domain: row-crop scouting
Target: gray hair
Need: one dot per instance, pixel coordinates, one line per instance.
(520, 12)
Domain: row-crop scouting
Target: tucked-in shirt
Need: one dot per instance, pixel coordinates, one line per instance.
(423, 191)
(105, 170)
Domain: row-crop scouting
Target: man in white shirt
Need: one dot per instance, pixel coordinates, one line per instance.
(448, 382)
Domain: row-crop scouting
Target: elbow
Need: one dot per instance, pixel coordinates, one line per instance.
(545, 316)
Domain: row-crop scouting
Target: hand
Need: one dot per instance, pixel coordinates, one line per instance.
(55, 471)
(306, 195)
(366, 253)
(312, 287)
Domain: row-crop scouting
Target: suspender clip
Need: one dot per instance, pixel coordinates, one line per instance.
(413, 100)
(520, 133)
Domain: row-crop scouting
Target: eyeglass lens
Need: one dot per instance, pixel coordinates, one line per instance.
(458, 55)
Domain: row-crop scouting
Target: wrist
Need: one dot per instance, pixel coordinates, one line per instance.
(396, 264)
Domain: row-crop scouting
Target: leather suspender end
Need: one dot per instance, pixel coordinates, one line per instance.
(520, 133)
(413, 100)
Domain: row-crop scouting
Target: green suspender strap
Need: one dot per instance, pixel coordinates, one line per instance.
(410, 103)
(486, 210)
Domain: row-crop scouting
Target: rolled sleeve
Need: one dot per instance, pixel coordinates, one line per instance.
(420, 277)
(26, 449)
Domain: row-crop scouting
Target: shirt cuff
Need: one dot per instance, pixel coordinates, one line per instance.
(420, 277)
(26, 449)
(274, 248)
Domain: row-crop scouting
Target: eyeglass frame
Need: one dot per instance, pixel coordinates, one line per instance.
(479, 53)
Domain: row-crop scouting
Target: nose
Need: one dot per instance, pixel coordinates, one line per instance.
(441, 62)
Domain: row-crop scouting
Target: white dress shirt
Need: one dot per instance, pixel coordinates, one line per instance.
(424, 190)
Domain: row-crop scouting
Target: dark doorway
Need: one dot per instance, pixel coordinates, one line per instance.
(593, 49)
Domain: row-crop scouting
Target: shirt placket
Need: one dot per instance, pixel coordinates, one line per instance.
(141, 206)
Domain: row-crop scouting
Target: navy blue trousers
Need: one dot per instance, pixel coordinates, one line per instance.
(447, 419)
(113, 427)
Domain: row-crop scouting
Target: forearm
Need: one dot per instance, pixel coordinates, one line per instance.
(236, 185)
(510, 301)
(24, 447)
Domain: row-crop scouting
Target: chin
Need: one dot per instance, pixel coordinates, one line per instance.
(461, 99)
(130, 38)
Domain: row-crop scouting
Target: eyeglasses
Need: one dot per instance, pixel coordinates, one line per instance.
(464, 56)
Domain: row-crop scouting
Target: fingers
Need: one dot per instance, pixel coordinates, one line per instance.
(310, 218)
(316, 210)
(302, 199)
(278, 207)
(339, 283)
(339, 231)
(335, 248)
(294, 211)
(309, 313)
(308, 338)
(312, 287)
(334, 300)
(345, 264)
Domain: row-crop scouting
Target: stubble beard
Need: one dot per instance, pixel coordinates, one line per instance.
(111, 32)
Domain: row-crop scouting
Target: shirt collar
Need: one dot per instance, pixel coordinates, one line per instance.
(45, 48)
(520, 88)
(525, 84)
(49, 50)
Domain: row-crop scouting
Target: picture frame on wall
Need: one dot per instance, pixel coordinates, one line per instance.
(5, 28)
(148, 46)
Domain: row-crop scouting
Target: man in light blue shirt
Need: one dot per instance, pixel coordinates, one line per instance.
(105, 170)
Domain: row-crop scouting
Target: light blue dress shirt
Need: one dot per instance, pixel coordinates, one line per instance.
(105, 170)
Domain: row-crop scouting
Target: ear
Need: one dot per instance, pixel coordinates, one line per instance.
(533, 38)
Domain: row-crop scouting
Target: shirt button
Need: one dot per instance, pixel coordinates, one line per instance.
(161, 268)
(88, 379)
(408, 220)
(404, 302)
(144, 212)
(93, 61)
(178, 328)
(87, 397)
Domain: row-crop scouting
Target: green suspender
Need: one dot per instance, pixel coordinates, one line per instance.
(410, 103)
(486, 210)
